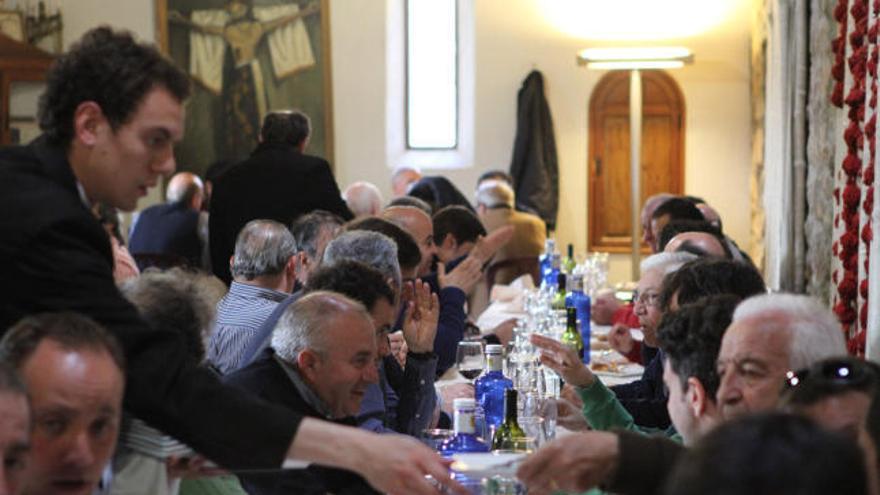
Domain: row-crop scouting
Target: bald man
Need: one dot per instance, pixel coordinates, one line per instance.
(363, 199)
(171, 229)
(402, 178)
(699, 243)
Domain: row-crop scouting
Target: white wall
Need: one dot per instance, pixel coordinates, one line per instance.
(512, 38)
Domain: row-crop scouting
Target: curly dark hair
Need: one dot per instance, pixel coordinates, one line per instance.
(707, 276)
(408, 254)
(111, 69)
(354, 279)
(691, 339)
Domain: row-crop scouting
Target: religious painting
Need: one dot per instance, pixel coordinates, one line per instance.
(246, 58)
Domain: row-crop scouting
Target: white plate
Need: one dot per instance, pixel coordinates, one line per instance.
(488, 464)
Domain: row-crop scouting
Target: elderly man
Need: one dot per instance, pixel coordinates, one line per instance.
(645, 398)
(770, 335)
(606, 308)
(73, 370)
(407, 408)
(264, 271)
(495, 208)
(172, 228)
(322, 359)
(111, 113)
(402, 178)
(278, 182)
(363, 199)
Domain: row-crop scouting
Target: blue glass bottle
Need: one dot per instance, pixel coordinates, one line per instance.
(489, 388)
(580, 301)
(465, 438)
(548, 272)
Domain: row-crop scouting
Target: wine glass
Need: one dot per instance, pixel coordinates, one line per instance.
(469, 358)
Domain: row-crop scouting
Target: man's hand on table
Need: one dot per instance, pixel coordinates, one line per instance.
(397, 465)
(573, 463)
(570, 416)
(449, 393)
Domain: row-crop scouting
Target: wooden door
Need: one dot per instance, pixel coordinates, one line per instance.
(662, 158)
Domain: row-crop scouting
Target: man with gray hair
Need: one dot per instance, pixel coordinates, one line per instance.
(264, 273)
(770, 335)
(322, 359)
(371, 248)
(363, 199)
(495, 208)
(172, 228)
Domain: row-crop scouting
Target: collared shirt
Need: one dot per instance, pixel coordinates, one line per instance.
(305, 391)
(239, 314)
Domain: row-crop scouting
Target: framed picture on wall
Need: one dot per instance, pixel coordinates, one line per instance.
(246, 58)
(12, 24)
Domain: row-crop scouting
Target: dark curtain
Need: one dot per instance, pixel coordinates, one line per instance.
(534, 166)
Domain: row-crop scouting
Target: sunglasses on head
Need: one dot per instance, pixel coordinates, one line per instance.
(842, 372)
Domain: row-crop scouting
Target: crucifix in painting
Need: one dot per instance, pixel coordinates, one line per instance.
(248, 57)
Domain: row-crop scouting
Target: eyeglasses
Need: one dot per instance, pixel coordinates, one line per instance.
(646, 298)
(833, 372)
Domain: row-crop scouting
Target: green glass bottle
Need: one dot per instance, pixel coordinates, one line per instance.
(509, 435)
(568, 263)
(571, 337)
(558, 301)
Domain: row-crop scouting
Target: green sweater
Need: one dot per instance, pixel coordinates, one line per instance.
(604, 412)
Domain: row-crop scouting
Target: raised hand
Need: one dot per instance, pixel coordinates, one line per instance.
(421, 317)
(620, 338)
(486, 246)
(464, 276)
(563, 360)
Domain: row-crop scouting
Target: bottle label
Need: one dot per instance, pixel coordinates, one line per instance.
(494, 362)
(464, 421)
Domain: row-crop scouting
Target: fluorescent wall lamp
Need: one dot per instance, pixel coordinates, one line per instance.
(670, 57)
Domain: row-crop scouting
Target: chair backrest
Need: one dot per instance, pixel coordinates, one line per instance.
(506, 271)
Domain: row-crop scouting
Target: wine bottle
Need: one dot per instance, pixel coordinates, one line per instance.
(558, 301)
(509, 434)
(465, 438)
(580, 301)
(489, 388)
(568, 263)
(571, 337)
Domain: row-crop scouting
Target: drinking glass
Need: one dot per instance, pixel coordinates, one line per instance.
(469, 359)
(533, 426)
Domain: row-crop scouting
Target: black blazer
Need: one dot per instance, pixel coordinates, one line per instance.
(277, 182)
(57, 257)
(265, 378)
(170, 228)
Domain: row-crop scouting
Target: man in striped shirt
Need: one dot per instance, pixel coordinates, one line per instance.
(264, 273)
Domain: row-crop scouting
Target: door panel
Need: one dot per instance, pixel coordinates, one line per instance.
(609, 168)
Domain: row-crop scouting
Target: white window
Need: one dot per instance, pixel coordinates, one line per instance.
(430, 86)
(431, 74)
